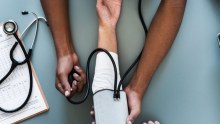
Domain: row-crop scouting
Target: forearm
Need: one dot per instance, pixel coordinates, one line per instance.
(58, 18)
(161, 35)
(107, 38)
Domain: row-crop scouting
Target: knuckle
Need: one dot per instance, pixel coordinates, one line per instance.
(66, 87)
(60, 74)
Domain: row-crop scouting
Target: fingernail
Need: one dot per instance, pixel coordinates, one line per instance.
(76, 67)
(156, 122)
(75, 75)
(129, 122)
(75, 82)
(67, 93)
(71, 89)
(150, 122)
(144, 123)
(92, 112)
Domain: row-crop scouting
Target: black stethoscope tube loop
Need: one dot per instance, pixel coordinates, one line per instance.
(88, 81)
(30, 74)
(27, 56)
(117, 90)
(139, 56)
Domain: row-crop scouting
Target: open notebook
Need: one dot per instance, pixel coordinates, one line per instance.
(14, 89)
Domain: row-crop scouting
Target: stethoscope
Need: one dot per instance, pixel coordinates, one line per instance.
(10, 28)
(117, 89)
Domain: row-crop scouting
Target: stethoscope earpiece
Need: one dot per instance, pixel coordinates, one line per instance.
(10, 27)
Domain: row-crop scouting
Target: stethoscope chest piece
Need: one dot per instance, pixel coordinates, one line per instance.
(10, 27)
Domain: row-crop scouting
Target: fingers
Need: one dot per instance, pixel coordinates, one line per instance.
(156, 122)
(80, 78)
(73, 88)
(133, 115)
(150, 122)
(92, 113)
(62, 87)
(99, 2)
(65, 84)
(59, 86)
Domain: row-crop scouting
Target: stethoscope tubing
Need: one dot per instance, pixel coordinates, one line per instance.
(30, 74)
(27, 60)
(88, 80)
(117, 89)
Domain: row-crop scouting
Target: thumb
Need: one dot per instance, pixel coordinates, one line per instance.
(65, 83)
(133, 115)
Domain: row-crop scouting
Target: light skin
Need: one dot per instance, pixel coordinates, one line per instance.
(58, 19)
(157, 43)
(162, 33)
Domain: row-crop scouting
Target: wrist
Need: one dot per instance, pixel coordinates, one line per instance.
(106, 28)
(63, 53)
(64, 47)
(138, 85)
(66, 53)
(131, 90)
(106, 32)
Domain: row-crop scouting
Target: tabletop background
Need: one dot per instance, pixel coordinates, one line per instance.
(185, 88)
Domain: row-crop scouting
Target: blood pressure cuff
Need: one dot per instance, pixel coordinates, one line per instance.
(104, 72)
(107, 109)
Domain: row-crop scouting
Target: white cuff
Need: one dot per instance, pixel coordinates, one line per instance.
(104, 72)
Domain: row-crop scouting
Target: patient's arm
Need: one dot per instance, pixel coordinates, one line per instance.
(108, 12)
(104, 70)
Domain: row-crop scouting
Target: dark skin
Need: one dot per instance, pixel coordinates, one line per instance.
(58, 18)
(157, 44)
(161, 34)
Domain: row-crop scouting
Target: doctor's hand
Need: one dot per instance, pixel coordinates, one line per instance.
(108, 12)
(65, 64)
(134, 104)
(92, 113)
